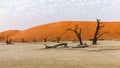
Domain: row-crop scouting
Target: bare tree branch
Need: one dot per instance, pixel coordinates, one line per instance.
(78, 33)
(102, 26)
(102, 34)
(98, 32)
(57, 45)
(76, 28)
(70, 29)
(80, 30)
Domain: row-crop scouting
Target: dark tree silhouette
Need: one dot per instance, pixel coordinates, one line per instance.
(77, 32)
(98, 34)
(23, 40)
(8, 41)
(45, 40)
(58, 39)
(34, 40)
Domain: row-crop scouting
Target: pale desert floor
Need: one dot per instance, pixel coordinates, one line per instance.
(29, 55)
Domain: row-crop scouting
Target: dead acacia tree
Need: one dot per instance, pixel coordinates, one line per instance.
(23, 40)
(35, 41)
(45, 40)
(77, 32)
(8, 41)
(98, 34)
(58, 39)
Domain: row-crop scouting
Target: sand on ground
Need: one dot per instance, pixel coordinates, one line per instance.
(29, 55)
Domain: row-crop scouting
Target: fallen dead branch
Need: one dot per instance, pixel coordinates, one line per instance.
(81, 46)
(57, 45)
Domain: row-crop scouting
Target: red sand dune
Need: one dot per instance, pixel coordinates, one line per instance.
(9, 33)
(53, 30)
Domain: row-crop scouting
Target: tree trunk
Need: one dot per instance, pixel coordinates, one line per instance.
(95, 41)
(78, 34)
(80, 40)
(96, 33)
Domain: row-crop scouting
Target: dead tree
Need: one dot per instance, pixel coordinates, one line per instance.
(58, 39)
(98, 34)
(77, 32)
(34, 40)
(57, 45)
(23, 40)
(45, 40)
(8, 41)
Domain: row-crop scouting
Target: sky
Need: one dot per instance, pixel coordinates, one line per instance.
(23, 14)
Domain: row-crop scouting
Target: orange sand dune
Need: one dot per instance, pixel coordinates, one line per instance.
(9, 33)
(53, 30)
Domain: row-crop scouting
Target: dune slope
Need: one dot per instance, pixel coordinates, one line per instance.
(58, 29)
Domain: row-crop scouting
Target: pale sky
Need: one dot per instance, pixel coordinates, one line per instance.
(22, 14)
